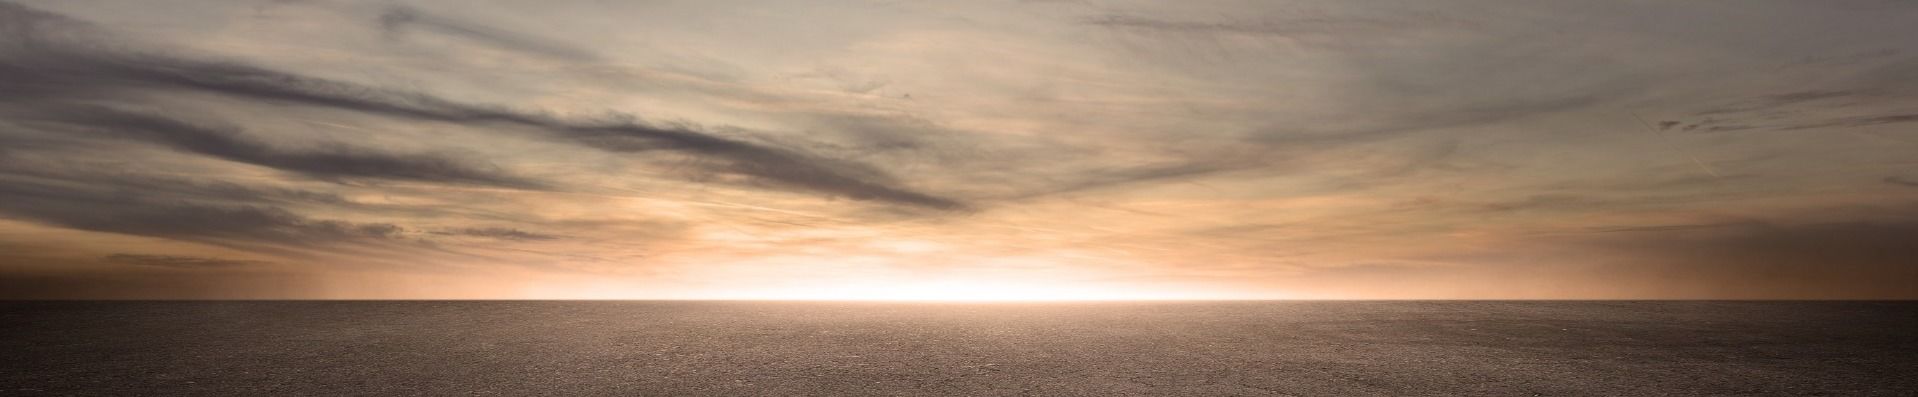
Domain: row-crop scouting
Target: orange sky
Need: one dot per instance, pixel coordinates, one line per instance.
(958, 150)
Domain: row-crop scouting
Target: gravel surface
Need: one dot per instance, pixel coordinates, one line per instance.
(1063, 349)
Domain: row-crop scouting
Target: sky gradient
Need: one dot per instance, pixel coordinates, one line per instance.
(959, 150)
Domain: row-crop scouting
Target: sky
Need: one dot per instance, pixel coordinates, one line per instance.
(1432, 149)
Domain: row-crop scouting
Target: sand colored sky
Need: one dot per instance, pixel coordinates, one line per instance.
(958, 150)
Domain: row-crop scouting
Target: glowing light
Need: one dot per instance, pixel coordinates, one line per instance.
(956, 291)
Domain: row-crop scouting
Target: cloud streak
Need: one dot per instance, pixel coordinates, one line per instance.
(397, 20)
(225, 142)
(499, 233)
(180, 262)
(117, 213)
(45, 63)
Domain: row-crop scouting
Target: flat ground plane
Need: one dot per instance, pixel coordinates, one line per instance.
(1063, 349)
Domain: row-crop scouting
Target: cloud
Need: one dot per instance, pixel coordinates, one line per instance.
(1874, 98)
(1858, 121)
(1770, 102)
(180, 262)
(89, 208)
(1119, 177)
(397, 20)
(260, 216)
(154, 283)
(1308, 29)
(225, 142)
(78, 178)
(44, 61)
(499, 233)
(1902, 181)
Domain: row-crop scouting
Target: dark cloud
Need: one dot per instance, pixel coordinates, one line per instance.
(117, 211)
(103, 196)
(42, 61)
(1859, 121)
(1902, 181)
(228, 143)
(1123, 21)
(134, 183)
(1325, 29)
(151, 186)
(1770, 102)
(1131, 176)
(179, 262)
(1666, 228)
(397, 20)
(1758, 122)
(499, 233)
(1801, 110)
(144, 284)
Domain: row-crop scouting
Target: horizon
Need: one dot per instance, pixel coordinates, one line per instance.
(965, 301)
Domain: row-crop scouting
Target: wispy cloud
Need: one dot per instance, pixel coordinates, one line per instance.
(226, 142)
(49, 64)
(180, 262)
(500, 233)
(1902, 181)
(397, 20)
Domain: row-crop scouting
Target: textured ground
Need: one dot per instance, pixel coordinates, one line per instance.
(1090, 349)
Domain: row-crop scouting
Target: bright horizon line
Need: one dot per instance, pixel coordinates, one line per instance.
(976, 300)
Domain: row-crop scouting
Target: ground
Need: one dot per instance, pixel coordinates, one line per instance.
(1063, 349)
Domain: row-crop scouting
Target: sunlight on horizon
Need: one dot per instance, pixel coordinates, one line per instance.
(904, 291)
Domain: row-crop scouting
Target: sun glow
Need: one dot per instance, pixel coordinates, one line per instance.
(956, 291)
(864, 278)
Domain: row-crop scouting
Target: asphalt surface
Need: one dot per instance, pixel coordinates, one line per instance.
(1065, 349)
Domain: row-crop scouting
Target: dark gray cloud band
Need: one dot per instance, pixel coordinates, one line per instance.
(46, 59)
(225, 142)
(499, 233)
(179, 262)
(396, 21)
(117, 211)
